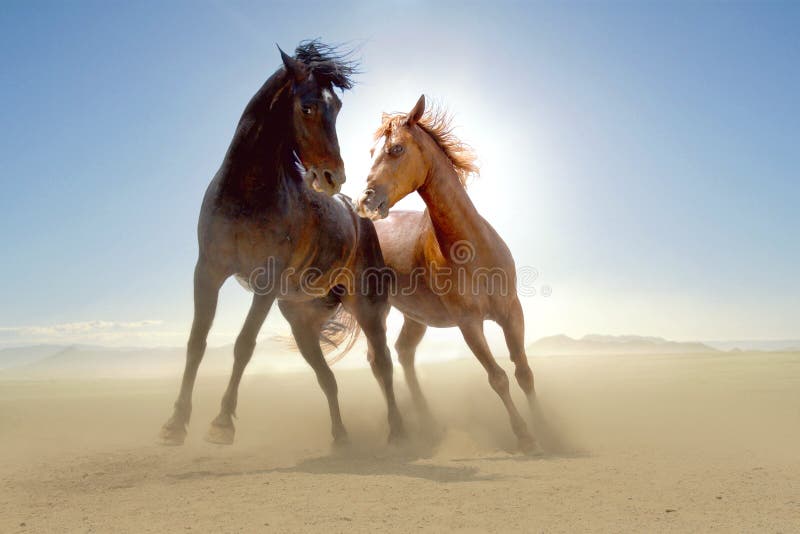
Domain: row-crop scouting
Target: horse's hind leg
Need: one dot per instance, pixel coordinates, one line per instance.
(222, 430)
(473, 335)
(371, 316)
(514, 330)
(206, 289)
(306, 320)
(513, 327)
(406, 345)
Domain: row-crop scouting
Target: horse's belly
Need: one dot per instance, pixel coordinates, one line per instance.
(422, 305)
(295, 267)
(291, 283)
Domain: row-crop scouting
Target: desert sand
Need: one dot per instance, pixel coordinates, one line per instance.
(631, 443)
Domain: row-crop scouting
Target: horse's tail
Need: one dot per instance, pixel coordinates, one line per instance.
(341, 331)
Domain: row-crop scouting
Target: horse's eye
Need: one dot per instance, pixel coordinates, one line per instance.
(396, 150)
(306, 110)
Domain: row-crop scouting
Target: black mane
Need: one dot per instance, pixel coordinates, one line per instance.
(329, 64)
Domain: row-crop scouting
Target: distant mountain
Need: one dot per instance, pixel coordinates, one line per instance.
(768, 345)
(610, 345)
(17, 356)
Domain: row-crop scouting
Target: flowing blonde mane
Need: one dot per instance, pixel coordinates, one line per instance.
(437, 123)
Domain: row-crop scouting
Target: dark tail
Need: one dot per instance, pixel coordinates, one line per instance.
(340, 332)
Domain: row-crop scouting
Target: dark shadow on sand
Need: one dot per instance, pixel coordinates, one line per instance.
(359, 465)
(398, 466)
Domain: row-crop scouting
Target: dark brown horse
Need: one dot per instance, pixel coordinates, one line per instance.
(452, 268)
(261, 223)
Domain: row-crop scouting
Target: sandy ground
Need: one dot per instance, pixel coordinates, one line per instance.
(647, 443)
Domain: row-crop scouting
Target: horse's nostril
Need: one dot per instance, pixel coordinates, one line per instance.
(329, 178)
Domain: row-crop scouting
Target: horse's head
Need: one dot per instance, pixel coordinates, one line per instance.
(314, 108)
(400, 163)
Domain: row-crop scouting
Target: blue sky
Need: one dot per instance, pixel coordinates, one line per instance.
(644, 159)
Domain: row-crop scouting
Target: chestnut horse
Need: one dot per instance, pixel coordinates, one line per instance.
(451, 266)
(261, 223)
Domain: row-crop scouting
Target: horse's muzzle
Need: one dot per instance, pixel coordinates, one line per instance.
(373, 205)
(325, 180)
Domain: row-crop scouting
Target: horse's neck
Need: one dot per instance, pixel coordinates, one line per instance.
(453, 216)
(259, 158)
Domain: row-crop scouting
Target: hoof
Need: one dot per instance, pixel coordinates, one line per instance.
(397, 436)
(341, 442)
(172, 434)
(529, 446)
(220, 435)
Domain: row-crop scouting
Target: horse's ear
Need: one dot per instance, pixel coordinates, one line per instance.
(416, 113)
(295, 68)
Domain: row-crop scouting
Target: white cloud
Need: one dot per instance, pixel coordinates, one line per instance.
(80, 332)
(86, 327)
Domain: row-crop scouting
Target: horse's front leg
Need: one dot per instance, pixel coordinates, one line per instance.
(207, 283)
(222, 430)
